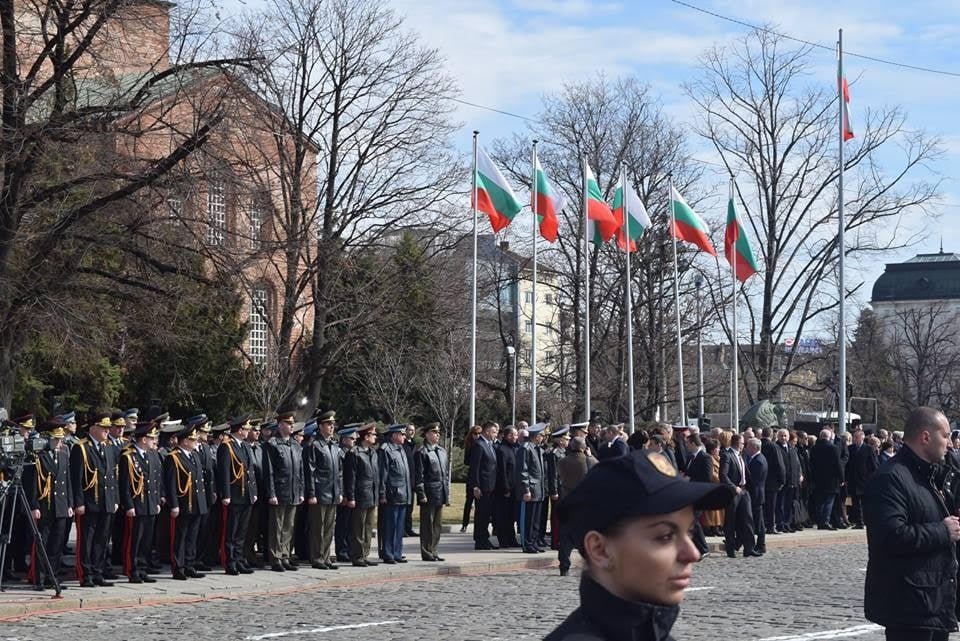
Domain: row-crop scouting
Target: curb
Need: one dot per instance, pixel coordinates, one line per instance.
(783, 542)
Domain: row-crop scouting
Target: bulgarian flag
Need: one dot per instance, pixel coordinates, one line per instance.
(494, 196)
(630, 223)
(737, 248)
(548, 204)
(601, 225)
(687, 225)
(844, 90)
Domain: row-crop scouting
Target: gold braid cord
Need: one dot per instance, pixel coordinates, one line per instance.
(183, 489)
(136, 478)
(237, 470)
(92, 476)
(44, 485)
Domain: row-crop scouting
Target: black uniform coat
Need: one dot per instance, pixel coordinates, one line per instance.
(235, 480)
(208, 459)
(912, 565)
(826, 470)
(141, 482)
(530, 472)
(396, 477)
(283, 468)
(183, 484)
(431, 465)
(324, 480)
(361, 477)
(93, 477)
(49, 477)
(551, 459)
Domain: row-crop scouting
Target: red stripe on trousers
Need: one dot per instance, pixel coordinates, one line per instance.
(223, 535)
(128, 548)
(173, 538)
(78, 563)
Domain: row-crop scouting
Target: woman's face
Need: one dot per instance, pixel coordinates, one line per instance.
(650, 558)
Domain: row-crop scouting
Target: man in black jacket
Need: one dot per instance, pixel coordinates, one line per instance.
(483, 480)
(699, 466)
(504, 504)
(141, 492)
(911, 577)
(826, 473)
(738, 518)
(237, 489)
(757, 473)
(47, 486)
(793, 478)
(776, 479)
(850, 475)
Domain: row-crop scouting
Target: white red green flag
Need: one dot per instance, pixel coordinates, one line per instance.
(549, 203)
(601, 225)
(632, 220)
(687, 225)
(844, 89)
(495, 198)
(736, 247)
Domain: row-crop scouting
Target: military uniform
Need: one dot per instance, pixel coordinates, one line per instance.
(210, 526)
(258, 528)
(551, 460)
(432, 484)
(324, 487)
(360, 478)
(119, 443)
(530, 488)
(93, 481)
(341, 533)
(283, 468)
(237, 489)
(141, 491)
(47, 486)
(187, 497)
(395, 491)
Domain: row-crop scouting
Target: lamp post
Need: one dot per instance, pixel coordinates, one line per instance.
(512, 356)
(698, 282)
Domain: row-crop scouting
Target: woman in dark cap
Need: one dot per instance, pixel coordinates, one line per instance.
(630, 518)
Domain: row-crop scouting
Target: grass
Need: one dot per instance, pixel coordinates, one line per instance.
(453, 514)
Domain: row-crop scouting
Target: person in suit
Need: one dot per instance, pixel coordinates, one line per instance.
(324, 490)
(432, 484)
(283, 468)
(141, 492)
(96, 497)
(237, 489)
(46, 484)
(757, 472)
(850, 474)
(826, 473)
(530, 488)
(776, 479)
(699, 466)
(504, 504)
(738, 519)
(468, 441)
(483, 480)
(186, 494)
(360, 479)
(612, 445)
(866, 464)
(838, 516)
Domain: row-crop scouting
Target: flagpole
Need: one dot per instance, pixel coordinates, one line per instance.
(629, 300)
(473, 296)
(841, 329)
(533, 313)
(735, 374)
(676, 304)
(586, 293)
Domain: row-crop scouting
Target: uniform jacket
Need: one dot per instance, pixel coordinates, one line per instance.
(605, 617)
(141, 481)
(530, 472)
(183, 483)
(757, 472)
(431, 465)
(324, 478)
(234, 469)
(395, 476)
(572, 468)
(208, 459)
(551, 480)
(47, 484)
(483, 466)
(283, 468)
(776, 466)
(506, 468)
(826, 470)
(410, 449)
(912, 565)
(361, 476)
(93, 477)
(255, 451)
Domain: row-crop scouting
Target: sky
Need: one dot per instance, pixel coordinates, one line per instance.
(505, 54)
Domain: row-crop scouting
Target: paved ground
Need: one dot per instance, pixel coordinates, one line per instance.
(795, 593)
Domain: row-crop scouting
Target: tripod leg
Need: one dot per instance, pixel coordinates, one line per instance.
(38, 541)
(6, 530)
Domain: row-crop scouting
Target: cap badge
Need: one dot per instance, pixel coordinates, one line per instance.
(662, 463)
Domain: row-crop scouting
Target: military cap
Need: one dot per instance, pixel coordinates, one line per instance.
(69, 417)
(640, 483)
(268, 425)
(221, 428)
(163, 417)
(146, 428)
(100, 419)
(431, 427)
(297, 427)
(579, 426)
(53, 428)
(561, 431)
(128, 429)
(133, 413)
(25, 421)
(171, 427)
(327, 417)
(197, 421)
(191, 433)
(396, 427)
(349, 431)
(116, 419)
(310, 428)
(239, 423)
(366, 429)
(536, 428)
(287, 416)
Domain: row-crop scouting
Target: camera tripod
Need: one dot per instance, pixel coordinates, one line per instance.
(12, 495)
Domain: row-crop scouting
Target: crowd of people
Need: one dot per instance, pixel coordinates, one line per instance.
(240, 495)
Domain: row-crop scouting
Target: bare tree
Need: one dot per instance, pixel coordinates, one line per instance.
(778, 134)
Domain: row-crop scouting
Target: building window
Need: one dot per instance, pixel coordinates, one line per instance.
(548, 299)
(256, 223)
(529, 297)
(216, 214)
(528, 327)
(259, 304)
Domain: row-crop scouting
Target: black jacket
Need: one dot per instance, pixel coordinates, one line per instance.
(912, 565)
(792, 465)
(431, 480)
(700, 467)
(283, 468)
(865, 465)
(605, 617)
(324, 479)
(141, 482)
(776, 466)
(183, 484)
(612, 449)
(506, 468)
(47, 484)
(361, 477)
(235, 478)
(757, 473)
(483, 466)
(93, 477)
(826, 469)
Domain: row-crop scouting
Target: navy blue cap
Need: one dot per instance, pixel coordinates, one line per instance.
(349, 430)
(310, 428)
(640, 483)
(268, 425)
(199, 419)
(69, 417)
(396, 427)
(536, 428)
(133, 412)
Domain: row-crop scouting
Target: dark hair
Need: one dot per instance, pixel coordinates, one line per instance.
(766, 432)
(711, 445)
(921, 419)
(695, 439)
(637, 440)
(488, 425)
(735, 440)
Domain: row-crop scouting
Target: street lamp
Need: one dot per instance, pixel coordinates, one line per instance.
(698, 282)
(512, 355)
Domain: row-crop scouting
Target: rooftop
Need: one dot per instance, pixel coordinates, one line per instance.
(923, 277)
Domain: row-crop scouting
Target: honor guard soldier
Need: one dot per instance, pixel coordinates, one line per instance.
(324, 490)
(360, 479)
(559, 439)
(396, 487)
(187, 498)
(96, 497)
(141, 492)
(237, 489)
(283, 466)
(257, 528)
(432, 484)
(341, 534)
(530, 488)
(47, 486)
(69, 421)
(208, 550)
